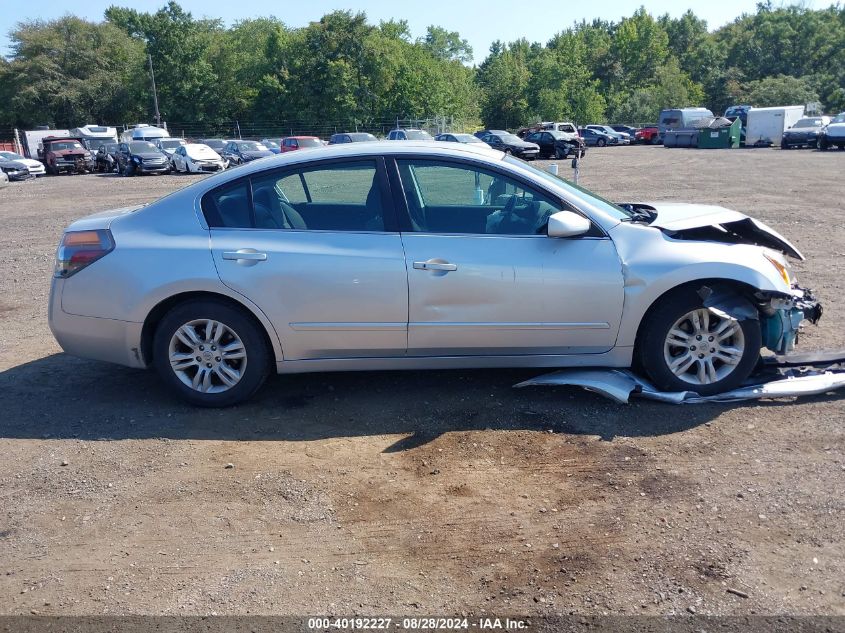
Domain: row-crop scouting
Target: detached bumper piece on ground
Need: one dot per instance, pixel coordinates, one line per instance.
(787, 376)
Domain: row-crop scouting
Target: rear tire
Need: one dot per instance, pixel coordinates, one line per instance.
(684, 347)
(601, 142)
(235, 358)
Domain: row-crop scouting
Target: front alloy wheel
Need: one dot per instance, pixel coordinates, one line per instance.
(702, 348)
(684, 346)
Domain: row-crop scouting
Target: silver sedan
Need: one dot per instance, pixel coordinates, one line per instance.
(374, 256)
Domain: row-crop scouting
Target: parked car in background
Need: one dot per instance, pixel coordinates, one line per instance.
(554, 144)
(240, 152)
(622, 137)
(351, 137)
(409, 134)
(195, 158)
(647, 134)
(805, 132)
(66, 154)
(597, 138)
(217, 144)
(452, 137)
(106, 158)
(142, 157)
(483, 133)
(14, 169)
(169, 145)
(35, 167)
(627, 129)
(294, 143)
(512, 144)
(388, 256)
(833, 133)
(273, 146)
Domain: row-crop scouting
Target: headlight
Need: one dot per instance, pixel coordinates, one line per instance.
(783, 271)
(135, 159)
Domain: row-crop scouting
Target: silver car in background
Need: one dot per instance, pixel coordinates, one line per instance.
(377, 256)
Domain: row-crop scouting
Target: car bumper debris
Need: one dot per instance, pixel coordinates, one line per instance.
(620, 384)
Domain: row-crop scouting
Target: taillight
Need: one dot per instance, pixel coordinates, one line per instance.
(79, 249)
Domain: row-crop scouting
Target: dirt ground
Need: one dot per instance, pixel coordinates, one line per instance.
(420, 493)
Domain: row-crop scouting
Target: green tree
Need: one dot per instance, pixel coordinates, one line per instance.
(446, 45)
(179, 46)
(778, 91)
(69, 71)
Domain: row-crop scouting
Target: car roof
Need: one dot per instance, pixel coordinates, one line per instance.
(300, 137)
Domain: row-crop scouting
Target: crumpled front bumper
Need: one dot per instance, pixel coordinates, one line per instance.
(780, 314)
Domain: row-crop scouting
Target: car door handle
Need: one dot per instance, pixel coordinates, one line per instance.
(430, 265)
(245, 254)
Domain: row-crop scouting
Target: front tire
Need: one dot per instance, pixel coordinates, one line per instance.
(683, 346)
(211, 354)
(601, 142)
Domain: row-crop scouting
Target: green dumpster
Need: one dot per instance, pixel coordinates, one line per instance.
(720, 137)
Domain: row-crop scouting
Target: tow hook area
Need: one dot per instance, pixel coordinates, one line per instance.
(781, 319)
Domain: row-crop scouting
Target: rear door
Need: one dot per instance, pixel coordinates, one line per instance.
(316, 247)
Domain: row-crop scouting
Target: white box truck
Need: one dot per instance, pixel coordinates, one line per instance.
(766, 125)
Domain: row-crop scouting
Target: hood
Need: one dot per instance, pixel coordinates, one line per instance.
(835, 129)
(14, 165)
(259, 153)
(202, 154)
(523, 144)
(29, 162)
(68, 152)
(711, 223)
(149, 155)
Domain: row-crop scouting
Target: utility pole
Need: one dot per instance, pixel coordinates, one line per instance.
(155, 94)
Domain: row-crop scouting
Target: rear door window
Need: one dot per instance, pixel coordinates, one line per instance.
(341, 196)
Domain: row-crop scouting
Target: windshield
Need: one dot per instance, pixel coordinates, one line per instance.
(557, 134)
(467, 138)
(251, 146)
(808, 123)
(510, 138)
(142, 146)
(600, 203)
(839, 118)
(66, 145)
(418, 135)
(11, 155)
(215, 143)
(363, 136)
(271, 144)
(172, 142)
(310, 142)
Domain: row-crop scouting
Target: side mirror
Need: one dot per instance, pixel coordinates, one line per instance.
(567, 224)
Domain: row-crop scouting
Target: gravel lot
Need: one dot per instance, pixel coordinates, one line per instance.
(420, 493)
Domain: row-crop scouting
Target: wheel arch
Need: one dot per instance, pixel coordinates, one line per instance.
(744, 290)
(158, 311)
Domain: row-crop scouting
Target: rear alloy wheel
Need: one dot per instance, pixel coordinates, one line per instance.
(687, 347)
(211, 354)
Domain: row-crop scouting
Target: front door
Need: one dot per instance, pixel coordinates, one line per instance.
(316, 248)
(483, 277)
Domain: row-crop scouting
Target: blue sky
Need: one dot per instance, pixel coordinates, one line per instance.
(479, 21)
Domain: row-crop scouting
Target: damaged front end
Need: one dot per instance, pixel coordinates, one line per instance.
(780, 315)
